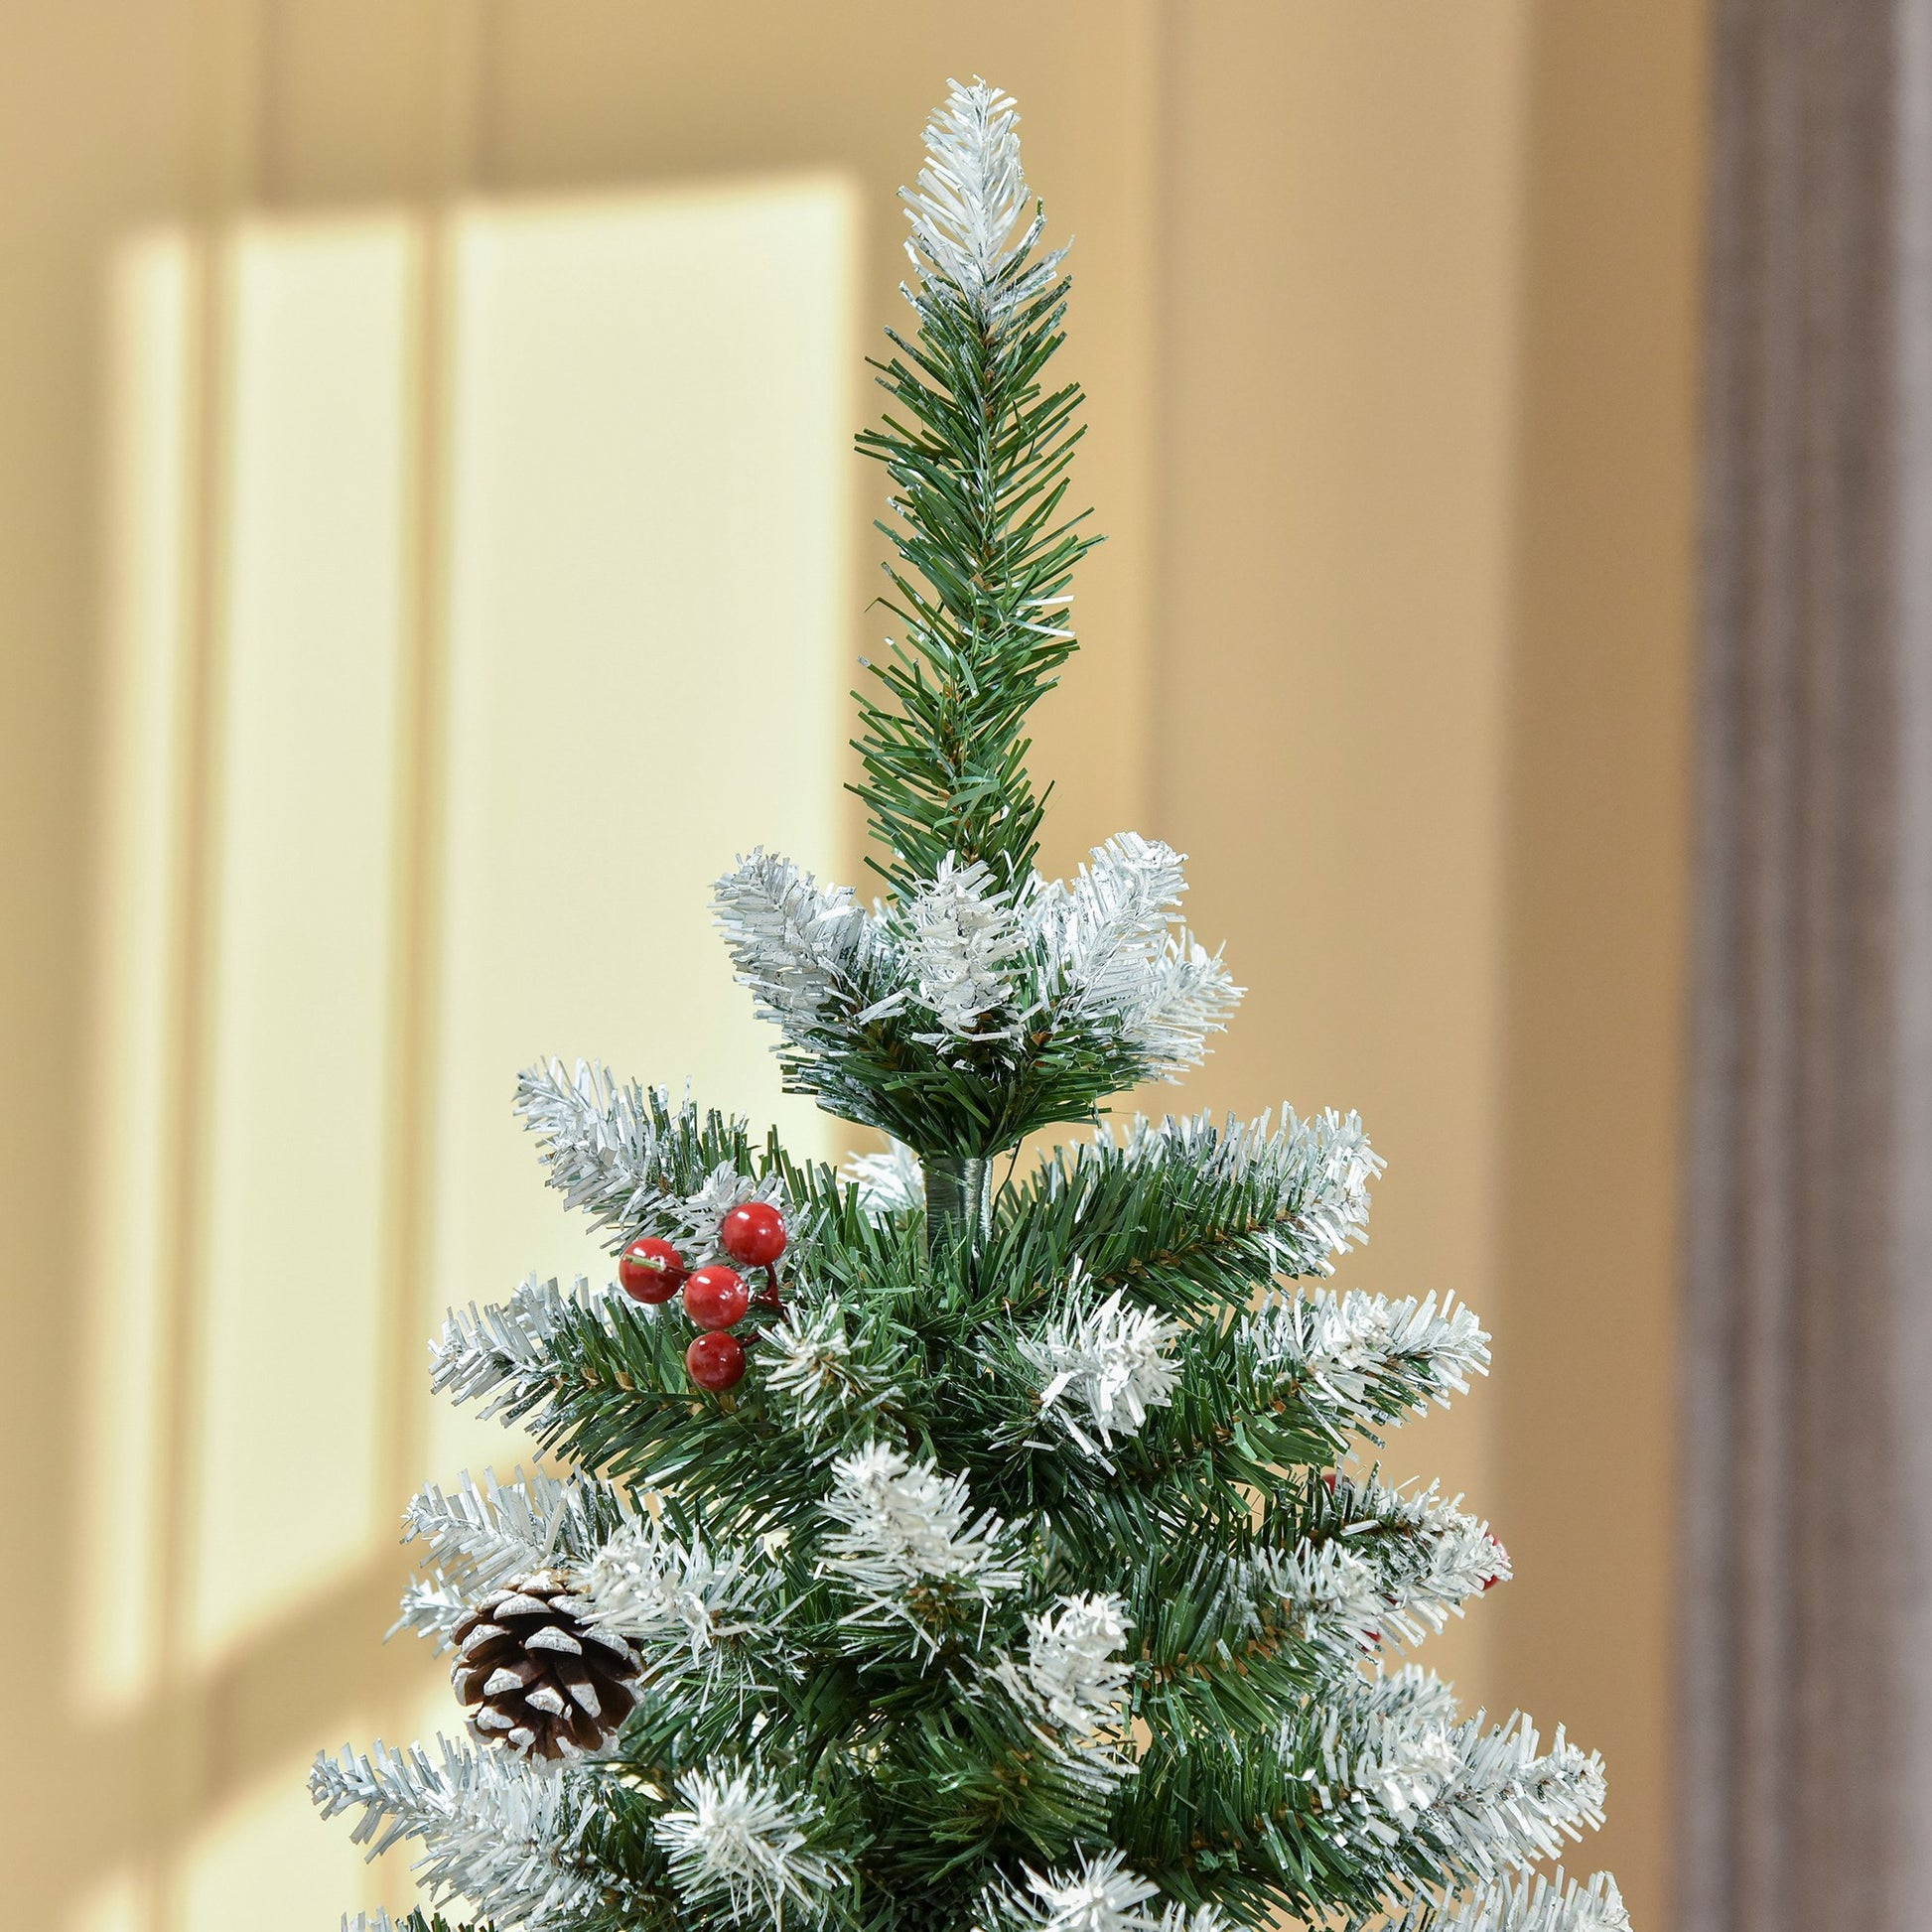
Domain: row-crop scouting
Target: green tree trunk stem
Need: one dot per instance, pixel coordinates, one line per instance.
(958, 1200)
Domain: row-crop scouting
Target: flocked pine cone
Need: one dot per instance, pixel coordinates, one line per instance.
(545, 1684)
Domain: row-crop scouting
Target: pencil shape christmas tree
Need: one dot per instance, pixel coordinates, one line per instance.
(946, 1546)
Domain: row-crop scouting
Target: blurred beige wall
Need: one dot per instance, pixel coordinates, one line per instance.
(1387, 314)
(1425, 542)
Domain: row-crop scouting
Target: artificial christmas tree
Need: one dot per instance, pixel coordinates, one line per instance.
(977, 1551)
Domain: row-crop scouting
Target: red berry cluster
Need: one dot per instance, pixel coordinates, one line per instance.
(714, 1297)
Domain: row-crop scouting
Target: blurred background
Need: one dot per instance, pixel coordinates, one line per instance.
(429, 550)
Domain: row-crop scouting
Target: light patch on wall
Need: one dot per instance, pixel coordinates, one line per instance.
(650, 413)
(302, 951)
(128, 1230)
(118, 1906)
(569, 474)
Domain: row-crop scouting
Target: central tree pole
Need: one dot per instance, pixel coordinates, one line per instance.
(958, 1200)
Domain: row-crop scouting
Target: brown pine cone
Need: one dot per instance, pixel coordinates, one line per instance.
(547, 1684)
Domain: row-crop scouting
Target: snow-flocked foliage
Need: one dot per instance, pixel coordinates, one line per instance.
(1104, 1368)
(677, 1600)
(970, 196)
(967, 966)
(637, 1164)
(737, 1841)
(1034, 1578)
(1074, 1664)
(502, 1355)
(892, 1183)
(1549, 1902)
(1366, 1359)
(506, 1834)
(908, 1547)
(1095, 1895)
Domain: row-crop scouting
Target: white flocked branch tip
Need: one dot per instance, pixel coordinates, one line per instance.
(970, 201)
(1103, 933)
(1318, 1170)
(1115, 955)
(648, 1587)
(892, 1183)
(1334, 1594)
(902, 1524)
(1392, 1753)
(1103, 1370)
(1546, 1902)
(1094, 1893)
(809, 1367)
(599, 1136)
(1074, 1665)
(481, 1536)
(432, 1610)
(962, 936)
(501, 1354)
(496, 1830)
(802, 949)
(734, 1839)
(623, 1153)
(1402, 1563)
(825, 1372)
(1351, 1352)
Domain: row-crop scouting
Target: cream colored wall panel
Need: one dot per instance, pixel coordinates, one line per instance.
(128, 1230)
(652, 406)
(290, 1393)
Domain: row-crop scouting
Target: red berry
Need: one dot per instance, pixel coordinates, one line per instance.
(753, 1234)
(716, 1297)
(650, 1270)
(715, 1361)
